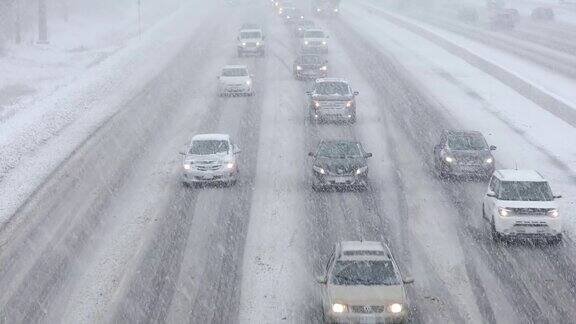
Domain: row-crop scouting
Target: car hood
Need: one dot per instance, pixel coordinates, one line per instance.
(315, 39)
(310, 65)
(332, 97)
(228, 79)
(474, 155)
(251, 40)
(207, 159)
(366, 295)
(527, 204)
(341, 166)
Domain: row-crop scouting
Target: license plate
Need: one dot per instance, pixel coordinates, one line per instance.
(340, 180)
(208, 177)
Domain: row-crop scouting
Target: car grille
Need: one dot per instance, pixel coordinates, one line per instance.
(341, 171)
(251, 44)
(469, 161)
(530, 224)
(208, 166)
(315, 43)
(333, 104)
(530, 211)
(367, 309)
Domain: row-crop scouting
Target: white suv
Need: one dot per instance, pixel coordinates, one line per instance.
(363, 284)
(210, 158)
(251, 41)
(235, 80)
(520, 203)
(315, 41)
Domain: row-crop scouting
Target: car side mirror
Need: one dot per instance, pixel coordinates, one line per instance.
(408, 280)
(322, 280)
(356, 93)
(557, 196)
(182, 153)
(368, 155)
(492, 148)
(491, 194)
(311, 154)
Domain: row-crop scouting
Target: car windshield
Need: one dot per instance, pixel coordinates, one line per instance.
(525, 191)
(248, 35)
(467, 142)
(234, 72)
(339, 150)
(306, 23)
(314, 34)
(366, 273)
(206, 147)
(332, 88)
(310, 59)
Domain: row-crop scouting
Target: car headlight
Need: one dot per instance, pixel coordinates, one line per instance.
(338, 308)
(449, 159)
(243, 44)
(248, 82)
(335, 9)
(305, 42)
(324, 68)
(349, 104)
(318, 9)
(317, 104)
(287, 17)
(298, 67)
(257, 43)
(504, 212)
(230, 165)
(553, 213)
(324, 43)
(489, 161)
(319, 169)
(361, 170)
(395, 308)
(187, 166)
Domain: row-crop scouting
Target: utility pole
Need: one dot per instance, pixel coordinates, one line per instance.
(42, 23)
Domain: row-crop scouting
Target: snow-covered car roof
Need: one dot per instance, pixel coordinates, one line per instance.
(331, 80)
(213, 137)
(235, 67)
(362, 249)
(519, 175)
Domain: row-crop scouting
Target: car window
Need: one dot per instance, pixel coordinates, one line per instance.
(314, 34)
(367, 273)
(310, 59)
(205, 147)
(336, 150)
(525, 191)
(248, 35)
(234, 72)
(332, 88)
(467, 142)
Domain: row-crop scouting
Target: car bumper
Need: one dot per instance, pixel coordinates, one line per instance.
(315, 49)
(251, 49)
(366, 318)
(345, 181)
(528, 226)
(235, 90)
(209, 177)
(343, 114)
(311, 74)
(477, 170)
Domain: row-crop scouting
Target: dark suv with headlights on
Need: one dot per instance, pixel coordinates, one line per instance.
(310, 66)
(340, 164)
(464, 153)
(332, 99)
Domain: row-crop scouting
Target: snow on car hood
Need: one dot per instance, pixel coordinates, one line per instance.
(219, 157)
(346, 166)
(234, 79)
(527, 204)
(332, 97)
(366, 295)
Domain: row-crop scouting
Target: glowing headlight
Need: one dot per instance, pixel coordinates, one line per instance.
(335, 9)
(489, 161)
(349, 104)
(319, 169)
(361, 170)
(248, 82)
(338, 308)
(243, 44)
(187, 166)
(230, 165)
(257, 43)
(324, 68)
(504, 212)
(553, 213)
(324, 43)
(298, 67)
(316, 104)
(305, 42)
(395, 308)
(287, 17)
(449, 159)
(318, 9)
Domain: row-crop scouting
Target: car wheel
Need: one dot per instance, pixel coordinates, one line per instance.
(496, 237)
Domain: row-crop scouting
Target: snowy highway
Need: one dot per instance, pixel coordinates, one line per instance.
(112, 234)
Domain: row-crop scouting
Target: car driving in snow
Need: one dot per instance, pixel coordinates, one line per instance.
(250, 41)
(332, 99)
(464, 153)
(315, 40)
(235, 80)
(363, 284)
(210, 158)
(310, 66)
(520, 203)
(301, 26)
(340, 164)
(291, 15)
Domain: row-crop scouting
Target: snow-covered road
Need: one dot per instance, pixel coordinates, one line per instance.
(113, 236)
